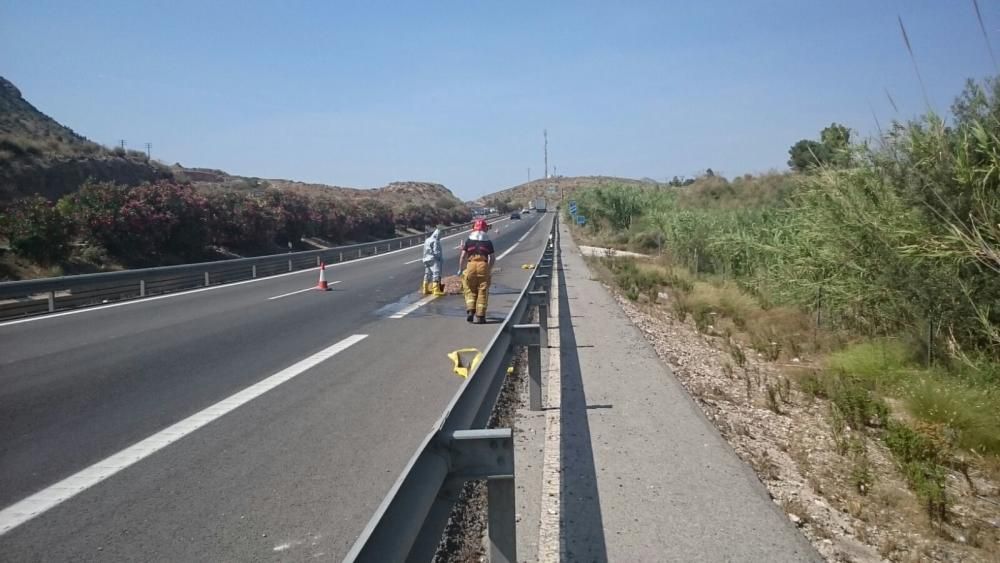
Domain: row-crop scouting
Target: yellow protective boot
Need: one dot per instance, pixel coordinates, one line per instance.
(425, 288)
(438, 288)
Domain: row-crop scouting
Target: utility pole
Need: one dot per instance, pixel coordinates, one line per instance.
(149, 150)
(529, 173)
(545, 135)
(122, 143)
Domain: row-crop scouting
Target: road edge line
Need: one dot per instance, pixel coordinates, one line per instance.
(37, 504)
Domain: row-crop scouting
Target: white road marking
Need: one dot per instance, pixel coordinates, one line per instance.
(508, 251)
(300, 291)
(413, 307)
(54, 495)
(550, 536)
(211, 288)
(414, 261)
(525, 235)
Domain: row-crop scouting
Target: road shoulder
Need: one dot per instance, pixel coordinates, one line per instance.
(644, 476)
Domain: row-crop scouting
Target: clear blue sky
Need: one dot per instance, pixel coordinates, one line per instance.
(458, 92)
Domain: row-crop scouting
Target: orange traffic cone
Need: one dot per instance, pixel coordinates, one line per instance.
(322, 285)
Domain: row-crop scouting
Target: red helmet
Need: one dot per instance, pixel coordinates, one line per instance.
(480, 225)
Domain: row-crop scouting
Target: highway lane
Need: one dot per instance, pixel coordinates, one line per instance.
(76, 389)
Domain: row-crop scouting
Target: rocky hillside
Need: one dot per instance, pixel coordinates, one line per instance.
(396, 195)
(40, 155)
(519, 196)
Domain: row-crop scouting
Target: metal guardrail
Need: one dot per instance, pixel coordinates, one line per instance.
(411, 519)
(32, 297)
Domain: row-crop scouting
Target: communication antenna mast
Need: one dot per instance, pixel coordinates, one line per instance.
(545, 135)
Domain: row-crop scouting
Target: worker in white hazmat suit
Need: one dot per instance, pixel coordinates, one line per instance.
(433, 262)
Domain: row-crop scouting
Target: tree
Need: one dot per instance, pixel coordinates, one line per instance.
(807, 154)
(36, 230)
(837, 140)
(833, 149)
(143, 224)
(445, 202)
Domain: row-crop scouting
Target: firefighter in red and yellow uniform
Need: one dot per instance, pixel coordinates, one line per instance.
(477, 258)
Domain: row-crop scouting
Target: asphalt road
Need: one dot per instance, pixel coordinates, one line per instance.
(291, 474)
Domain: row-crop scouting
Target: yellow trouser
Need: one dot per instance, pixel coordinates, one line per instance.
(477, 286)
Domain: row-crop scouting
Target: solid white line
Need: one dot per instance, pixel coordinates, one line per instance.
(506, 252)
(211, 288)
(413, 307)
(550, 533)
(300, 291)
(414, 261)
(24, 510)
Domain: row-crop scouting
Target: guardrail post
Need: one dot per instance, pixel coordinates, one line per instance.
(540, 299)
(142, 288)
(341, 257)
(530, 336)
(542, 282)
(489, 454)
(317, 260)
(253, 271)
(360, 252)
(501, 523)
(289, 264)
(52, 301)
(206, 279)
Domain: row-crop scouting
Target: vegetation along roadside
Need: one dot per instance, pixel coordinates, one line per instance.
(862, 287)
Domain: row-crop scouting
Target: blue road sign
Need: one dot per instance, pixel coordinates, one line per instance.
(581, 220)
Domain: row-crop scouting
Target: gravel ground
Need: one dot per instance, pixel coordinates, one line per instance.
(465, 535)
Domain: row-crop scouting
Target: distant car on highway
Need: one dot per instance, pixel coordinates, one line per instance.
(525, 211)
(515, 215)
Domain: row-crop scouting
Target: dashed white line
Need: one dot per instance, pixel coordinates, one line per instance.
(413, 307)
(508, 251)
(525, 235)
(54, 495)
(413, 261)
(300, 291)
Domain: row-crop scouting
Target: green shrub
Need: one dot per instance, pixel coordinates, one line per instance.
(920, 460)
(36, 230)
(859, 405)
(971, 413)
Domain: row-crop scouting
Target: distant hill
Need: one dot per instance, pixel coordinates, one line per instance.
(565, 186)
(397, 195)
(40, 155)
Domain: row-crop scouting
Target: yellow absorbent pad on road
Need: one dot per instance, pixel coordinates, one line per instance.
(465, 360)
